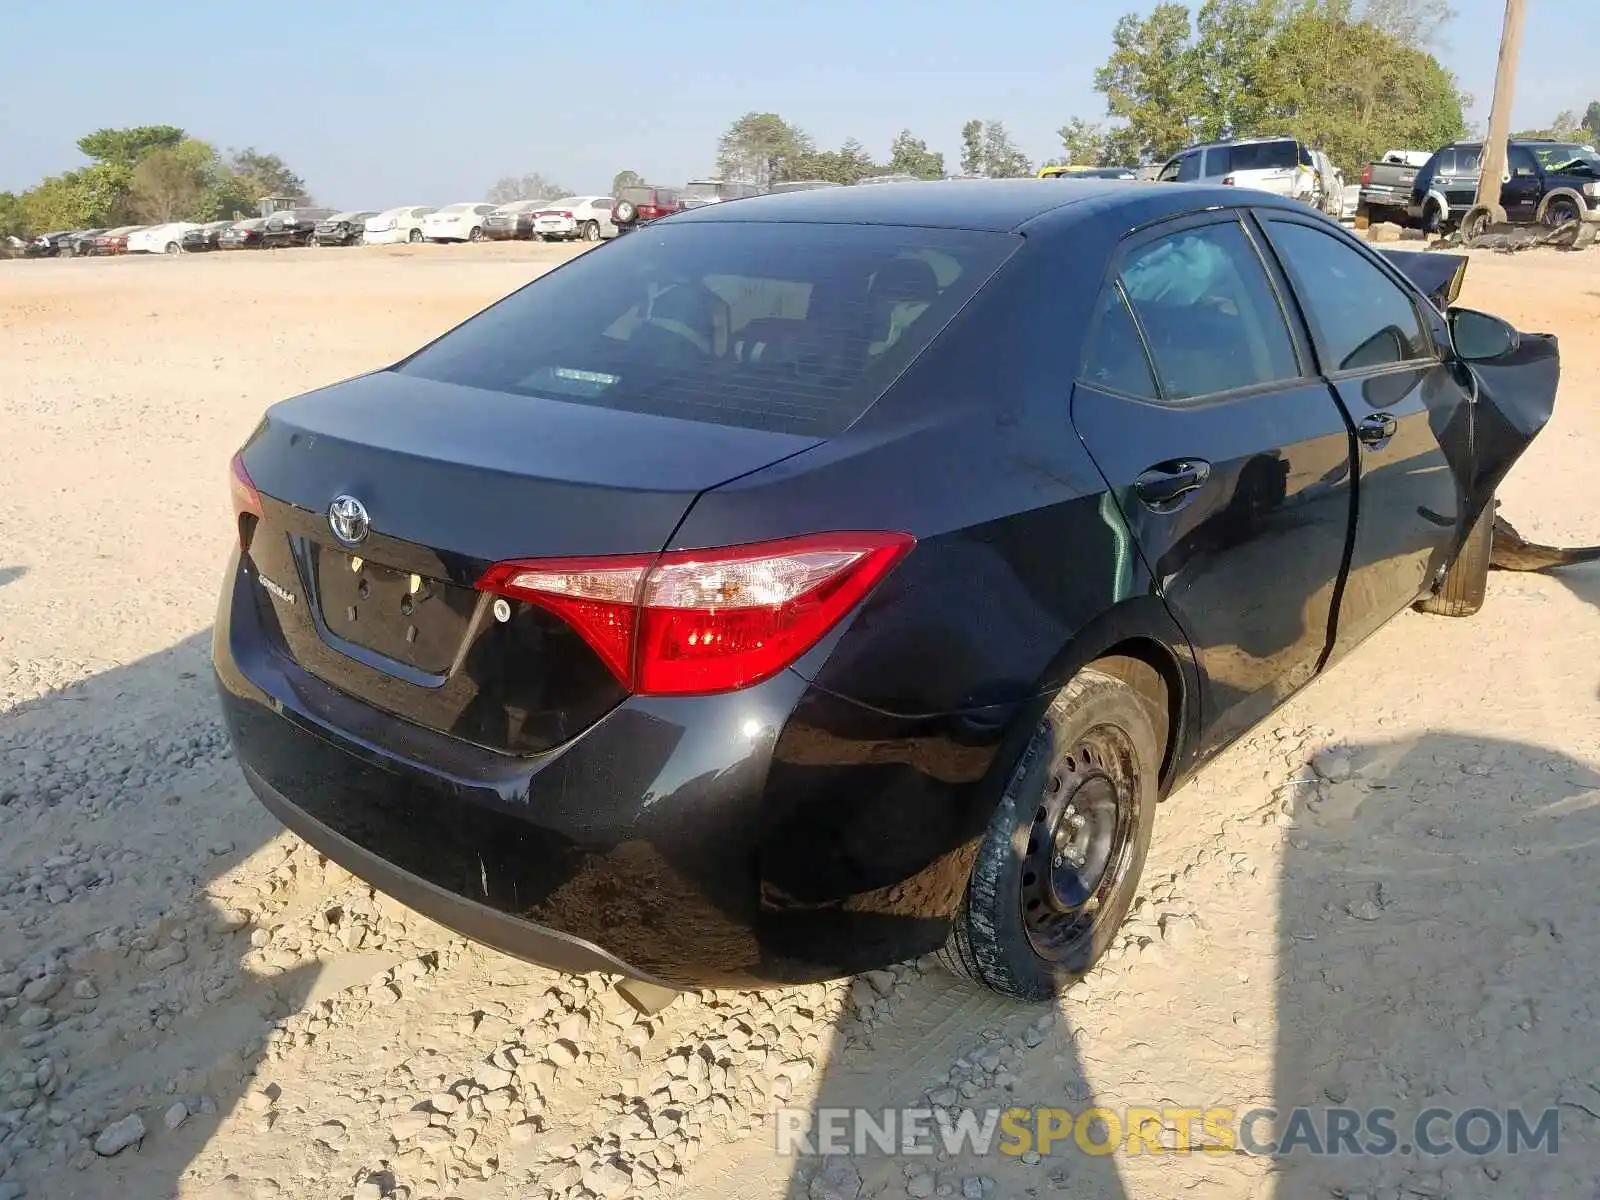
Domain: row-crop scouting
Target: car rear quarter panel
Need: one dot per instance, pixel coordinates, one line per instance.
(1022, 573)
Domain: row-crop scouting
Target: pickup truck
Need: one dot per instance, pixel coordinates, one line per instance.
(1386, 185)
(1545, 182)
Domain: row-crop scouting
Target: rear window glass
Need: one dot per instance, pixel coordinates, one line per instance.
(785, 327)
(1263, 156)
(639, 195)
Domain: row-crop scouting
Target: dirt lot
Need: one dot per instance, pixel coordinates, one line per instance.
(1423, 932)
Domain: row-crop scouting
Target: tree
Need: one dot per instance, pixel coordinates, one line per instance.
(95, 196)
(625, 179)
(1083, 144)
(1235, 74)
(14, 216)
(1591, 120)
(1418, 23)
(126, 147)
(758, 147)
(266, 175)
(972, 148)
(1149, 80)
(1565, 128)
(533, 186)
(850, 163)
(172, 183)
(910, 155)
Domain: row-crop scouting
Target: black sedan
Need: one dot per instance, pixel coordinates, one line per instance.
(204, 237)
(243, 235)
(293, 226)
(341, 229)
(832, 577)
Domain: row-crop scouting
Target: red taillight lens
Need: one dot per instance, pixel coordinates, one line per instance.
(696, 621)
(1227, 181)
(1366, 175)
(246, 500)
(649, 212)
(567, 215)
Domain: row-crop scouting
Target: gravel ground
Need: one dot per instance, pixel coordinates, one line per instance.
(194, 1004)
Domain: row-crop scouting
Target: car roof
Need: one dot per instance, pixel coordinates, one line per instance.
(996, 205)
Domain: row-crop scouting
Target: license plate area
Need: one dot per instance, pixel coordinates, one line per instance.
(410, 618)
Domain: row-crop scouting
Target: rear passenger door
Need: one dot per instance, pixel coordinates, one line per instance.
(1378, 345)
(1229, 459)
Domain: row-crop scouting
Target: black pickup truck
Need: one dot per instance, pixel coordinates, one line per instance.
(1545, 182)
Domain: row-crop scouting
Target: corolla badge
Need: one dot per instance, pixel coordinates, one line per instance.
(348, 519)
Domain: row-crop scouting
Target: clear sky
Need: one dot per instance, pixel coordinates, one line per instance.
(406, 101)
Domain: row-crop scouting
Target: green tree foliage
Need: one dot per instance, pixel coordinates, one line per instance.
(14, 217)
(760, 148)
(625, 179)
(126, 147)
(1306, 68)
(972, 148)
(1591, 120)
(850, 163)
(173, 183)
(1083, 144)
(1565, 128)
(262, 174)
(987, 149)
(95, 196)
(532, 186)
(909, 155)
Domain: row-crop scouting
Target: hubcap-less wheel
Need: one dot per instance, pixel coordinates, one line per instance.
(1078, 843)
(591, 232)
(1056, 871)
(476, 235)
(1560, 212)
(415, 236)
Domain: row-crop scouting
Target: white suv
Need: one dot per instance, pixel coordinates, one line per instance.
(1279, 165)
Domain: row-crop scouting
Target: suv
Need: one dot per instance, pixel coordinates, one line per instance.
(645, 203)
(1545, 181)
(1280, 165)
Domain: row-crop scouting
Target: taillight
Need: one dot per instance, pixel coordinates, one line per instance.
(246, 500)
(695, 621)
(1366, 175)
(567, 215)
(649, 212)
(1227, 181)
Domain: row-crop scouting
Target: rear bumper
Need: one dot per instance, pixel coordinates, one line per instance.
(387, 237)
(769, 836)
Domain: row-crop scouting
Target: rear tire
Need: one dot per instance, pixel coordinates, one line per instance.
(591, 231)
(414, 236)
(174, 248)
(1432, 217)
(1561, 210)
(1058, 867)
(475, 234)
(1467, 581)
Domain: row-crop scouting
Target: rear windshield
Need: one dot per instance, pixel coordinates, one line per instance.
(1263, 156)
(638, 195)
(785, 327)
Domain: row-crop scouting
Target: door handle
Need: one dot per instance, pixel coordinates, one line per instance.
(1377, 429)
(1164, 486)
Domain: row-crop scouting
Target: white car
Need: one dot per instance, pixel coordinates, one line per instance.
(160, 239)
(456, 223)
(573, 217)
(403, 224)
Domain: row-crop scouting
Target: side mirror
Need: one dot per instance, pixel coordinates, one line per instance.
(1478, 337)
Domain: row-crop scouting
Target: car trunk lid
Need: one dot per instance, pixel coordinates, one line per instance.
(452, 479)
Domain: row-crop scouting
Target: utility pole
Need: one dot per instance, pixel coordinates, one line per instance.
(1505, 87)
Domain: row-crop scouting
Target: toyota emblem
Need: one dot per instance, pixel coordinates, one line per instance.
(347, 517)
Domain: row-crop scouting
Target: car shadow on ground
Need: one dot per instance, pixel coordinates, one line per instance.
(120, 802)
(1436, 946)
(11, 574)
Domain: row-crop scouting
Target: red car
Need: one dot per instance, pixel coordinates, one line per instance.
(112, 241)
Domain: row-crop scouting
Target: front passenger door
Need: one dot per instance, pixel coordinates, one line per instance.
(1228, 458)
(1380, 350)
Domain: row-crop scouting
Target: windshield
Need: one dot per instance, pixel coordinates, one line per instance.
(793, 328)
(1569, 156)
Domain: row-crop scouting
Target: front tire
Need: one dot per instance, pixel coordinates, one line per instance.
(1466, 583)
(1058, 867)
(414, 236)
(1561, 210)
(475, 234)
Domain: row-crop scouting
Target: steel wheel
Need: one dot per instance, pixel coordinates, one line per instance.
(591, 231)
(475, 234)
(174, 248)
(1079, 843)
(414, 236)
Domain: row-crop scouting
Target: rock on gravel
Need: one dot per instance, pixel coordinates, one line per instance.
(1332, 765)
(119, 1135)
(408, 1125)
(176, 1115)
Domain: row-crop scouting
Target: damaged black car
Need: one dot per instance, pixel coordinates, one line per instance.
(814, 582)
